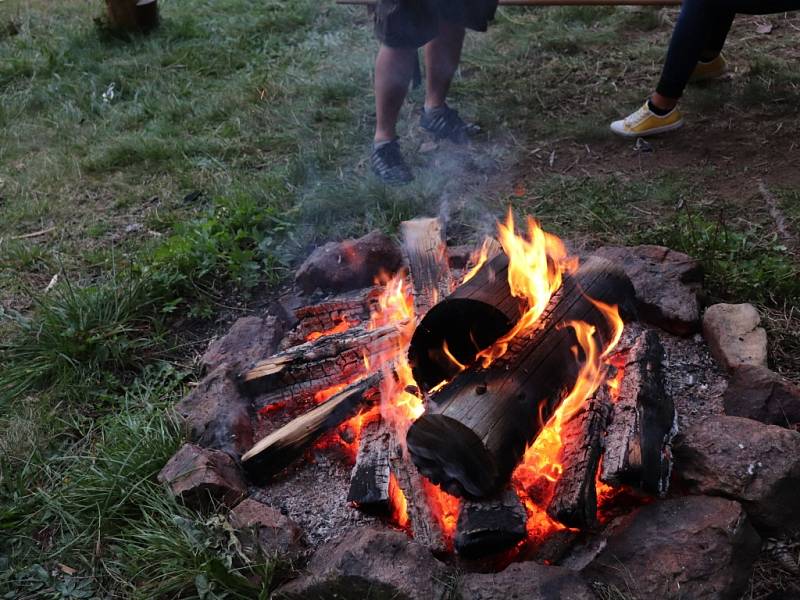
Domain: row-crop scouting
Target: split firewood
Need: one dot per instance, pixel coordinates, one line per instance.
(574, 500)
(643, 422)
(370, 479)
(422, 521)
(426, 256)
(490, 526)
(476, 429)
(277, 450)
(317, 365)
(470, 319)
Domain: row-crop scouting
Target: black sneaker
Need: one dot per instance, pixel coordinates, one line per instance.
(444, 123)
(388, 164)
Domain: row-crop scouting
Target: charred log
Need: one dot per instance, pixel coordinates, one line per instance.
(490, 526)
(574, 500)
(470, 319)
(370, 479)
(316, 365)
(475, 432)
(277, 450)
(643, 422)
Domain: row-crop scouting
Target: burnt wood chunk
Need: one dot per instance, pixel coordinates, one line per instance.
(470, 319)
(476, 428)
(422, 521)
(278, 449)
(643, 422)
(317, 365)
(426, 255)
(574, 501)
(369, 481)
(490, 526)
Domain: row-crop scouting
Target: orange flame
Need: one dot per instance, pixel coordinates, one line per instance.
(479, 258)
(340, 327)
(535, 269)
(398, 502)
(444, 507)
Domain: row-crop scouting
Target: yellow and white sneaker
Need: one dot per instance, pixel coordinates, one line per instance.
(645, 122)
(709, 70)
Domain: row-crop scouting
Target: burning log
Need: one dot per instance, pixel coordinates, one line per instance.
(574, 500)
(370, 480)
(426, 255)
(421, 520)
(490, 526)
(475, 433)
(643, 422)
(276, 450)
(483, 309)
(319, 364)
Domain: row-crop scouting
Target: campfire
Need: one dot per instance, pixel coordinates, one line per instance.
(487, 407)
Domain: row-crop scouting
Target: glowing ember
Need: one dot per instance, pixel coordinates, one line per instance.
(398, 502)
(535, 269)
(340, 327)
(444, 507)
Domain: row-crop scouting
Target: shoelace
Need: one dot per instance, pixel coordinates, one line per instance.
(637, 117)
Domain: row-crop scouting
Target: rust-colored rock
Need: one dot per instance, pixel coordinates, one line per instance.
(370, 563)
(734, 336)
(200, 477)
(757, 393)
(525, 581)
(696, 547)
(274, 532)
(348, 265)
(667, 285)
(249, 339)
(742, 459)
(217, 415)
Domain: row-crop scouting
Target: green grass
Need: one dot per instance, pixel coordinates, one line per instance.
(173, 179)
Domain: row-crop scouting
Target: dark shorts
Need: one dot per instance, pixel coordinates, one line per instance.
(414, 23)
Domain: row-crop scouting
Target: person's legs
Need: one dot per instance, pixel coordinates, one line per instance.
(442, 55)
(394, 68)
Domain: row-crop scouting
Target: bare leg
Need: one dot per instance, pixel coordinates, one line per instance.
(442, 55)
(394, 68)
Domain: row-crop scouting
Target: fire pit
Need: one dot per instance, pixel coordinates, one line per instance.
(498, 407)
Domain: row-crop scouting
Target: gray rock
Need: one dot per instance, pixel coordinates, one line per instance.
(348, 265)
(525, 581)
(274, 532)
(757, 393)
(217, 415)
(667, 284)
(202, 477)
(368, 563)
(742, 459)
(733, 335)
(249, 339)
(694, 547)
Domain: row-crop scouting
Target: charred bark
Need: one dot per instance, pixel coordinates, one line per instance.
(574, 500)
(643, 422)
(476, 430)
(490, 526)
(317, 365)
(277, 450)
(369, 481)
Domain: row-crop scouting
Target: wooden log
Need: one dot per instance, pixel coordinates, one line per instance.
(277, 450)
(643, 422)
(474, 433)
(319, 364)
(483, 309)
(370, 479)
(423, 523)
(490, 526)
(426, 256)
(574, 500)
